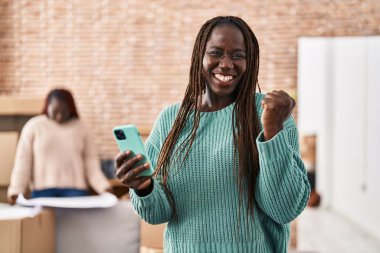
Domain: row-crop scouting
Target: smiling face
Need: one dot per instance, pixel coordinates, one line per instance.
(224, 65)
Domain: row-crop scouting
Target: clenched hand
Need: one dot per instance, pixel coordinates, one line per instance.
(277, 107)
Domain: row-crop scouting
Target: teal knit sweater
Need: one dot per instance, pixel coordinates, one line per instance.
(206, 194)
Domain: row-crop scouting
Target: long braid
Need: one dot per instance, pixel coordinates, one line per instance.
(248, 126)
(244, 113)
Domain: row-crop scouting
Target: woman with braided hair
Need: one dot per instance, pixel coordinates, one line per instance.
(228, 173)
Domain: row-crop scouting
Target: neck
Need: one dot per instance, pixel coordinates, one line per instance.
(213, 103)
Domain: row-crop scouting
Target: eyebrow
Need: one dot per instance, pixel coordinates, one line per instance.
(234, 50)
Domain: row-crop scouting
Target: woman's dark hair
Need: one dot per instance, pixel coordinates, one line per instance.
(64, 96)
(245, 120)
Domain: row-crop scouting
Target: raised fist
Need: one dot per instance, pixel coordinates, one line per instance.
(277, 107)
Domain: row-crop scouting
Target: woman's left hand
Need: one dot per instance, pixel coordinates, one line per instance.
(12, 199)
(277, 107)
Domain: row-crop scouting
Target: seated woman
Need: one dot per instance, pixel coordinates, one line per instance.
(55, 155)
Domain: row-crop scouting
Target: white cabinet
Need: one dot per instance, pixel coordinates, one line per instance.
(338, 99)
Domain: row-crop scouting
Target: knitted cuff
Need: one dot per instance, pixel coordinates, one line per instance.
(273, 149)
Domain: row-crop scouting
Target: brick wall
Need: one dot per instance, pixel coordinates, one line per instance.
(126, 60)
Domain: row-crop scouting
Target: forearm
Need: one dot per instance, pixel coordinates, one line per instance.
(282, 186)
(20, 178)
(95, 176)
(271, 131)
(22, 171)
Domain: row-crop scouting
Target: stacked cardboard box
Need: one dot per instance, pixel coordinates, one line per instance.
(14, 112)
(13, 106)
(28, 235)
(8, 146)
(308, 151)
(152, 237)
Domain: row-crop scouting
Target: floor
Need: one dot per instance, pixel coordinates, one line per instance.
(324, 231)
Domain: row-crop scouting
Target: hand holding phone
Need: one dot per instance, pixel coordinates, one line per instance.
(129, 173)
(133, 166)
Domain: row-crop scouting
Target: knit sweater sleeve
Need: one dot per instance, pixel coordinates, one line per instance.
(153, 208)
(23, 165)
(282, 187)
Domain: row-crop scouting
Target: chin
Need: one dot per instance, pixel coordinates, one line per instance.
(224, 91)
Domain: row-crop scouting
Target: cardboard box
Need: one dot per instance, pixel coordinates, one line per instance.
(309, 151)
(29, 235)
(152, 236)
(3, 194)
(8, 147)
(150, 250)
(20, 106)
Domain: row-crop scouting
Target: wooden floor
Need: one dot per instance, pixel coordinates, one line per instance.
(324, 231)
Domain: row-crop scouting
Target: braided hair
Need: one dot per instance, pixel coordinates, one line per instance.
(245, 120)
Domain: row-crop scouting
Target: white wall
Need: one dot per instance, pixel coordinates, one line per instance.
(338, 90)
(315, 100)
(372, 155)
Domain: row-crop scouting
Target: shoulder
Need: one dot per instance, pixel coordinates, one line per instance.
(31, 126)
(169, 113)
(163, 124)
(171, 109)
(36, 121)
(165, 119)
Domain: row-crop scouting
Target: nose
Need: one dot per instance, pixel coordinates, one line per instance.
(226, 62)
(59, 117)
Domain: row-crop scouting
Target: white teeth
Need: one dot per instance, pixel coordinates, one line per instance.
(223, 78)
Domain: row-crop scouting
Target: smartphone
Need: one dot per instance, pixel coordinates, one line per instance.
(128, 138)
